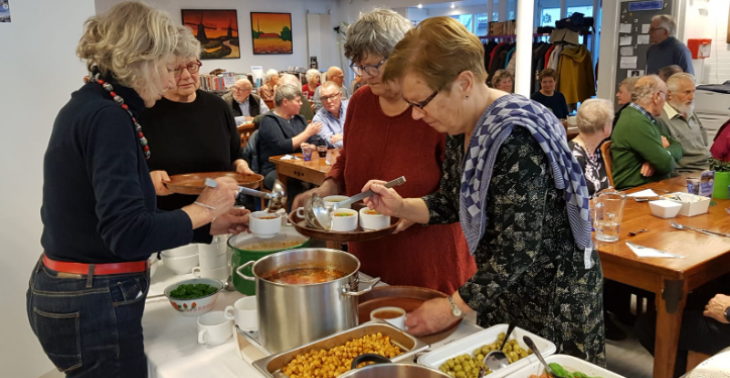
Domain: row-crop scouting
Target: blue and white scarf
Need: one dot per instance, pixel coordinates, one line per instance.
(493, 128)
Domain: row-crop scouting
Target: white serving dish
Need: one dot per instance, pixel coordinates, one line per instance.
(570, 364)
(665, 208)
(690, 209)
(196, 306)
(467, 345)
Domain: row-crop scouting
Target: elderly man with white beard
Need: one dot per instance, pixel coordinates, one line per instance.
(684, 125)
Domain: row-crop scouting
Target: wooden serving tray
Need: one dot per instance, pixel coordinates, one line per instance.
(194, 183)
(359, 235)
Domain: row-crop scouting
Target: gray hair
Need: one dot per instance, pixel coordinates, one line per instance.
(188, 47)
(289, 79)
(629, 82)
(593, 115)
(270, 74)
(666, 22)
(311, 74)
(331, 85)
(375, 33)
(286, 92)
(645, 89)
(674, 81)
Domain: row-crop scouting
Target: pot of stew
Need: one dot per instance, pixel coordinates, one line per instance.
(304, 295)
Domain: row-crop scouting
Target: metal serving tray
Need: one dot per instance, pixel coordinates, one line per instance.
(271, 366)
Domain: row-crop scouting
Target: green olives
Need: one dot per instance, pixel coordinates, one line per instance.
(468, 366)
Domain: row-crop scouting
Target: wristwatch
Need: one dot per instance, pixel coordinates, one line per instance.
(456, 311)
(727, 314)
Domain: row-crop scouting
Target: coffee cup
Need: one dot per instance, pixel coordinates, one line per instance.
(344, 220)
(214, 328)
(211, 257)
(221, 273)
(330, 201)
(394, 316)
(265, 225)
(244, 313)
(373, 220)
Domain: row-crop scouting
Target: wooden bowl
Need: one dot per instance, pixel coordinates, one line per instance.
(358, 235)
(408, 298)
(194, 183)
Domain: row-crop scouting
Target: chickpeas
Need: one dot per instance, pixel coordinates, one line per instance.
(466, 366)
(336, 361)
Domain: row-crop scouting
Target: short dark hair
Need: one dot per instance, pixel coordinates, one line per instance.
(548, 72)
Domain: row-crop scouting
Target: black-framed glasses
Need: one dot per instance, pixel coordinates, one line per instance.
(422, 104)
(328, 98)
(192, 68)
(371, 70)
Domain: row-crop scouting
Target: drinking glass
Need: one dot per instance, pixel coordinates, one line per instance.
(609, 209)
(307, 151)
(322, 150)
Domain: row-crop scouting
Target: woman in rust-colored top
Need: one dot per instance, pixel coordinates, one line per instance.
(381, 140)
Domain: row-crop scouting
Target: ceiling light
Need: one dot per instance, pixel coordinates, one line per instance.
(453, 6)
(420, 6)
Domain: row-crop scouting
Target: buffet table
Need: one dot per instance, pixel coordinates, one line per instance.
(171, 339)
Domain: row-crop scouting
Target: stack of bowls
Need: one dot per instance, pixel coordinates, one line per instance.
(181, 260)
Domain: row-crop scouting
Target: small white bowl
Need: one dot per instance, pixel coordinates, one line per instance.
(344, 223)
(196, 306)
(181, 265)
(264, 224)
(330, 201)
(377, 221)
(665, 208)
(184, 251)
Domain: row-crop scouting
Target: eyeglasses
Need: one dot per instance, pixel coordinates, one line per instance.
(333, 97)
(371, 70)
(192, 68)
(422, 104)
(651, 30)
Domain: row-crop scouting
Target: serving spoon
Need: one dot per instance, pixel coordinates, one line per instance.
(277, 197)
(534, 349)
(496, 359)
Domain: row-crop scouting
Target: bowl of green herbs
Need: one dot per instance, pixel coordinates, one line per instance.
(193, 297)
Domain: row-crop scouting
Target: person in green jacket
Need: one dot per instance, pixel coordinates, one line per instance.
(642, 150)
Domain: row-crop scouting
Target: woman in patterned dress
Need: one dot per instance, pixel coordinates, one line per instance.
(522, 199)
(595, 122)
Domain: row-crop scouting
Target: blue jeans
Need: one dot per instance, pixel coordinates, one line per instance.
(89, 328)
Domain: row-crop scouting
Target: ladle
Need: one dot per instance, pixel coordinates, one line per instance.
(277, 197)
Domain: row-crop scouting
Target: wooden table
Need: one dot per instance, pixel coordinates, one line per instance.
(707, 257)
(313, 171)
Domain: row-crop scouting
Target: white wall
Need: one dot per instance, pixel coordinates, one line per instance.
(38, 72)
(456, 11)
(297, 8)
(708, 19)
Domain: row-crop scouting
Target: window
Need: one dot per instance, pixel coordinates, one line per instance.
(549, 16)
(481, 24)
(495, 10)
(511, 10)
(466, 20)
(586, 10)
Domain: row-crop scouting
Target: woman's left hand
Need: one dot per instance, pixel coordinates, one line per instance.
(433, 316)
(233, 222)
(243, 168)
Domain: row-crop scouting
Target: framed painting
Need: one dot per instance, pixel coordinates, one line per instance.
(271, 33)
(217, 31)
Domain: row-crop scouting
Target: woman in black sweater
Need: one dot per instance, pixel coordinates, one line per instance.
(87, 293)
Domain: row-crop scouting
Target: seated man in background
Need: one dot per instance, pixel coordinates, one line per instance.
(667, 72)
(684, 125)
(333, 74)
(332, 115)
(641, 154)
(245, 105)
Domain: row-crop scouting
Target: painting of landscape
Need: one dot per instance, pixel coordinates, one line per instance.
(217, 31)
(271, 33)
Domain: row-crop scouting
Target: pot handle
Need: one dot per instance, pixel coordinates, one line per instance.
(240, 272)
(372, 283)
(369, 357)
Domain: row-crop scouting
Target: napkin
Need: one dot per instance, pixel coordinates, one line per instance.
(642, 251)
(289, 157)
(644, 193)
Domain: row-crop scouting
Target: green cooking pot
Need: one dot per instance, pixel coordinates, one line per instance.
(246, 247)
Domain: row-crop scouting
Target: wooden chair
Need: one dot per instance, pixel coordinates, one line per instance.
(245, 131)
(269, 104)
(607, 160)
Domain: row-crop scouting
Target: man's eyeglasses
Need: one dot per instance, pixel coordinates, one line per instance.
(328, 98)
(192, 68)
(652, 30)
(422, 104)
(371, 70)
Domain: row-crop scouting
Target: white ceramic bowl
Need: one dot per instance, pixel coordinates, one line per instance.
(375, 221)
(186, 250)
(665, 208)
(153, 264)
(181, 265)
(265, 228)
(330, 201)
(344, 223)
(196, 306)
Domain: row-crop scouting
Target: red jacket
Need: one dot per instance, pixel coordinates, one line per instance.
(721, 147)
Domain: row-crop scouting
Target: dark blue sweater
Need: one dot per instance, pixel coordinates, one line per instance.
(668, 52)
(99, 203)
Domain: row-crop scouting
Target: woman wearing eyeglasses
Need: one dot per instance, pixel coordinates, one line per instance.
(382, 141)
(192, 130)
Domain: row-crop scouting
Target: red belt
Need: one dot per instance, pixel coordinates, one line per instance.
(95, 269)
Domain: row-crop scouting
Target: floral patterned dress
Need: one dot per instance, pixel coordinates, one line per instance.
(530, 272)
(593, 167)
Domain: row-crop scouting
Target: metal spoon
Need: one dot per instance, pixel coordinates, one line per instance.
(702, 230)
(534, 349)
(634, 233)
(277, 197)
(496, 359)
(318, 215)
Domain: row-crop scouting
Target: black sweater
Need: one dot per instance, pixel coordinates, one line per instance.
(199, 136)
(275, 138)
(99, 204)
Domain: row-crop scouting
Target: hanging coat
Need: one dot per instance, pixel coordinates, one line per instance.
(577, 82)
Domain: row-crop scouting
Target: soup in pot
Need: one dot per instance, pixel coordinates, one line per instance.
(305, 276)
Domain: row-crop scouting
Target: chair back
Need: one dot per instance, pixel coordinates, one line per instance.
(608, 160)
(250, 153)
(245, 131)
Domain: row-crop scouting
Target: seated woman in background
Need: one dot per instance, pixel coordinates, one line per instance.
(192, 130)
(308, 89)
(623, 96)
(549, 97)
(271, 80)
(503, 80)
(595, 122)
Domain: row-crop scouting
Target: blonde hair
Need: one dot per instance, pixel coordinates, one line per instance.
(593, 115)
(501, 75)
(438, 50)
(128, 42)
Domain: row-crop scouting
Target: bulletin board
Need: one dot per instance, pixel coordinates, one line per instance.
(633, 35)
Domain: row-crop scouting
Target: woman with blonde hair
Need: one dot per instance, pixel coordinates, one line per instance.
(503, 80)
(382, 141)
(517, 190)
(87, 292)
(595, 123)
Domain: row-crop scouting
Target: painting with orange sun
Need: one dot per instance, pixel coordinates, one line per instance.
(271, 33)
(217, 31)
